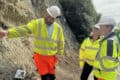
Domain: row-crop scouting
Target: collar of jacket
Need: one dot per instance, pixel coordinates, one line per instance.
(108, 36)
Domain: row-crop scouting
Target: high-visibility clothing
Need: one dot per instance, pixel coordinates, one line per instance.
(107, 59)
(45, 64)
(88, 51)
(43, 44)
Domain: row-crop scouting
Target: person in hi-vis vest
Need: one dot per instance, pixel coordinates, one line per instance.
(88, 51)
(48, 40)
(108, 55)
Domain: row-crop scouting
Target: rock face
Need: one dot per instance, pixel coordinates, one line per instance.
(16, 12)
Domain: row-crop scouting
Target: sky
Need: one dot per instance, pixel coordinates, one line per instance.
(108, 7)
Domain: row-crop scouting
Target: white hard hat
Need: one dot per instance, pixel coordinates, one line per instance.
(54, 11)
(96, 26)
(107, 20)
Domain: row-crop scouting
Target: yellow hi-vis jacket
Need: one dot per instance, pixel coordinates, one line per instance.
(88, 51)
(107, 58)
(42, 43)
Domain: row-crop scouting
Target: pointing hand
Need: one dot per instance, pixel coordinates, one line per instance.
(3, 33)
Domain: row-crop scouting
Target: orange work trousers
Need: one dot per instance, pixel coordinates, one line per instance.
(45, 64)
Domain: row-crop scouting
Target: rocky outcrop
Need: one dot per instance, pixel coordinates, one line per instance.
(16, 12)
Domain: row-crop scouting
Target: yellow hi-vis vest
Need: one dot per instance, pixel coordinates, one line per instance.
(88, 51)
(42, 43)
(107, 58)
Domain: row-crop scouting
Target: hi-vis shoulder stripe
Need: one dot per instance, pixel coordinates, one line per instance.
(86, 59)
(27, 29)
(91, 48)
(58, 33)
(91, 60)
(21, 32)
(39, 26)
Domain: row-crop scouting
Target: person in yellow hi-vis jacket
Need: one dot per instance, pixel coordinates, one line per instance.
(88, 51)
(48, 41)
(107, 58)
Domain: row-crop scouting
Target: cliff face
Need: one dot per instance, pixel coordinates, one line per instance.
(80, 15)
(17, 53)
(16, 12)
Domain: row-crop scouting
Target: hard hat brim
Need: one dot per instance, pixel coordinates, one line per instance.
(106, 24)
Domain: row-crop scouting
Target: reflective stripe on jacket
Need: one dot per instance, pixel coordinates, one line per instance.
(42, 43)
(107, 61)
(88, 51)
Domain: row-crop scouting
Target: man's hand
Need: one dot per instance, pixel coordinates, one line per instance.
(57, 56)
(3, 33)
